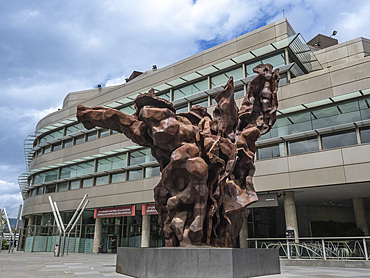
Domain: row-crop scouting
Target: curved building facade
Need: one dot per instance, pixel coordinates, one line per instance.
(312, 168)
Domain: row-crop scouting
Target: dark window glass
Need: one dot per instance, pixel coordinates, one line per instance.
(365, 135)
(47, 149)
(57, 146)
(135, 174)
(79, 139)
(63, 186)
(33, 192)
(339, 140)
(268, 152)
(304, 146)
(182, 109)
(91, 136)
(40, 190)
(50, 188)
(103, 133)
(68, 143)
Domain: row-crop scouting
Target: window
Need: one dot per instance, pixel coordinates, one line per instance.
(46, 176)
(202, 102)
(68, 143)
(190, 89)
(33, 192)
(303, 146)
(152, 172)
(39, 152)
(339, 140)
(92, 136)
(130, 109)
(365, 135)
(40, 190)
(85, 168)
(74, 184)
(141, 156)
(74, 128)
(63, 186)
(51, 188)
(221, 79)
(239, 93)
(270, 152)
(87, 182)
(79, 139)
(120, 177)
(57, 146)
(103, 133)
(135, 174)
(113, 162)
(47, 149)
(102, 180)
(165, 96)
(276, 61)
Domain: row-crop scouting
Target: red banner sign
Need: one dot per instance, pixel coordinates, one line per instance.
(114, 212)
(149, 209)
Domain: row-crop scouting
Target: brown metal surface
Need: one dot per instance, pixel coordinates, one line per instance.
(207, 164)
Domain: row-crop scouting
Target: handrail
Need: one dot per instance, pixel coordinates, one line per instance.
(317, 247)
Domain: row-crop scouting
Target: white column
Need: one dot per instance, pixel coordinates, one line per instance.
(145, 231)
(290, 213)
(360, 215)
(243, 234)
(97, 234)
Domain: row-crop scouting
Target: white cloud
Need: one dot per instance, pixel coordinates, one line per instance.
(10, 200)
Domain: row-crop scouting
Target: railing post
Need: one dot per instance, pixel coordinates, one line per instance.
(323, 248)
(255, 244)
(365, 249)
(288, 249)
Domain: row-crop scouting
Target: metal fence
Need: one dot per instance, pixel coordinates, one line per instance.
(325, 248)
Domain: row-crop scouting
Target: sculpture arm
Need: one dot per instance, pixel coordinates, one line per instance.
(129, 125)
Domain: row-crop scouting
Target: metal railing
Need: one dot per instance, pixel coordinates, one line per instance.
(325, 248)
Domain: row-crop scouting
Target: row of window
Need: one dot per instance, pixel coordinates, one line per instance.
(323, 142)
(130, 175)
(74, 141)
(324, 116)
(183, 91)
(133, 158)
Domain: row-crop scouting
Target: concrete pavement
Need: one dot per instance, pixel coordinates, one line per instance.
(20, 264)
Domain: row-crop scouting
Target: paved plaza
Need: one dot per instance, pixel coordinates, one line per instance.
(41, 265)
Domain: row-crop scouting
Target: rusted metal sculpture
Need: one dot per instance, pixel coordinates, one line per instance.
(207, 164)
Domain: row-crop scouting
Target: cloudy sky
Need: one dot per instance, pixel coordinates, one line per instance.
(50, 48)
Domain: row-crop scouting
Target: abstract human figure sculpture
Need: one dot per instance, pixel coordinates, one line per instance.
(207, 164)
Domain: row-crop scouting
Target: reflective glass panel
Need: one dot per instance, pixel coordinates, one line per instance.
(119, 177)
(57, 146)
(68, 171)
(87, 182)
(135, 174)
(85, 168)
(339, 140)
(221, 79)
(79, 139)
(202, 102)
(182, 109)
(303, 146)
(103, 133)
(152, 172)
(130, 109)
(40, 190)
(239, 93)
(47, 149)
(50, 188)
(63, 186)
(74, 128)
(102, 180)
(92, 136)
(67, 143)
(190, 89)
(75, 184)
(141, 156)
(365, 135)
(268, 152)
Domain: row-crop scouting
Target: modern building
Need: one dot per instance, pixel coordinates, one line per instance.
(313, 168)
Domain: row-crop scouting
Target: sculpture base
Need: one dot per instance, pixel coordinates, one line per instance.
(199, 262)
